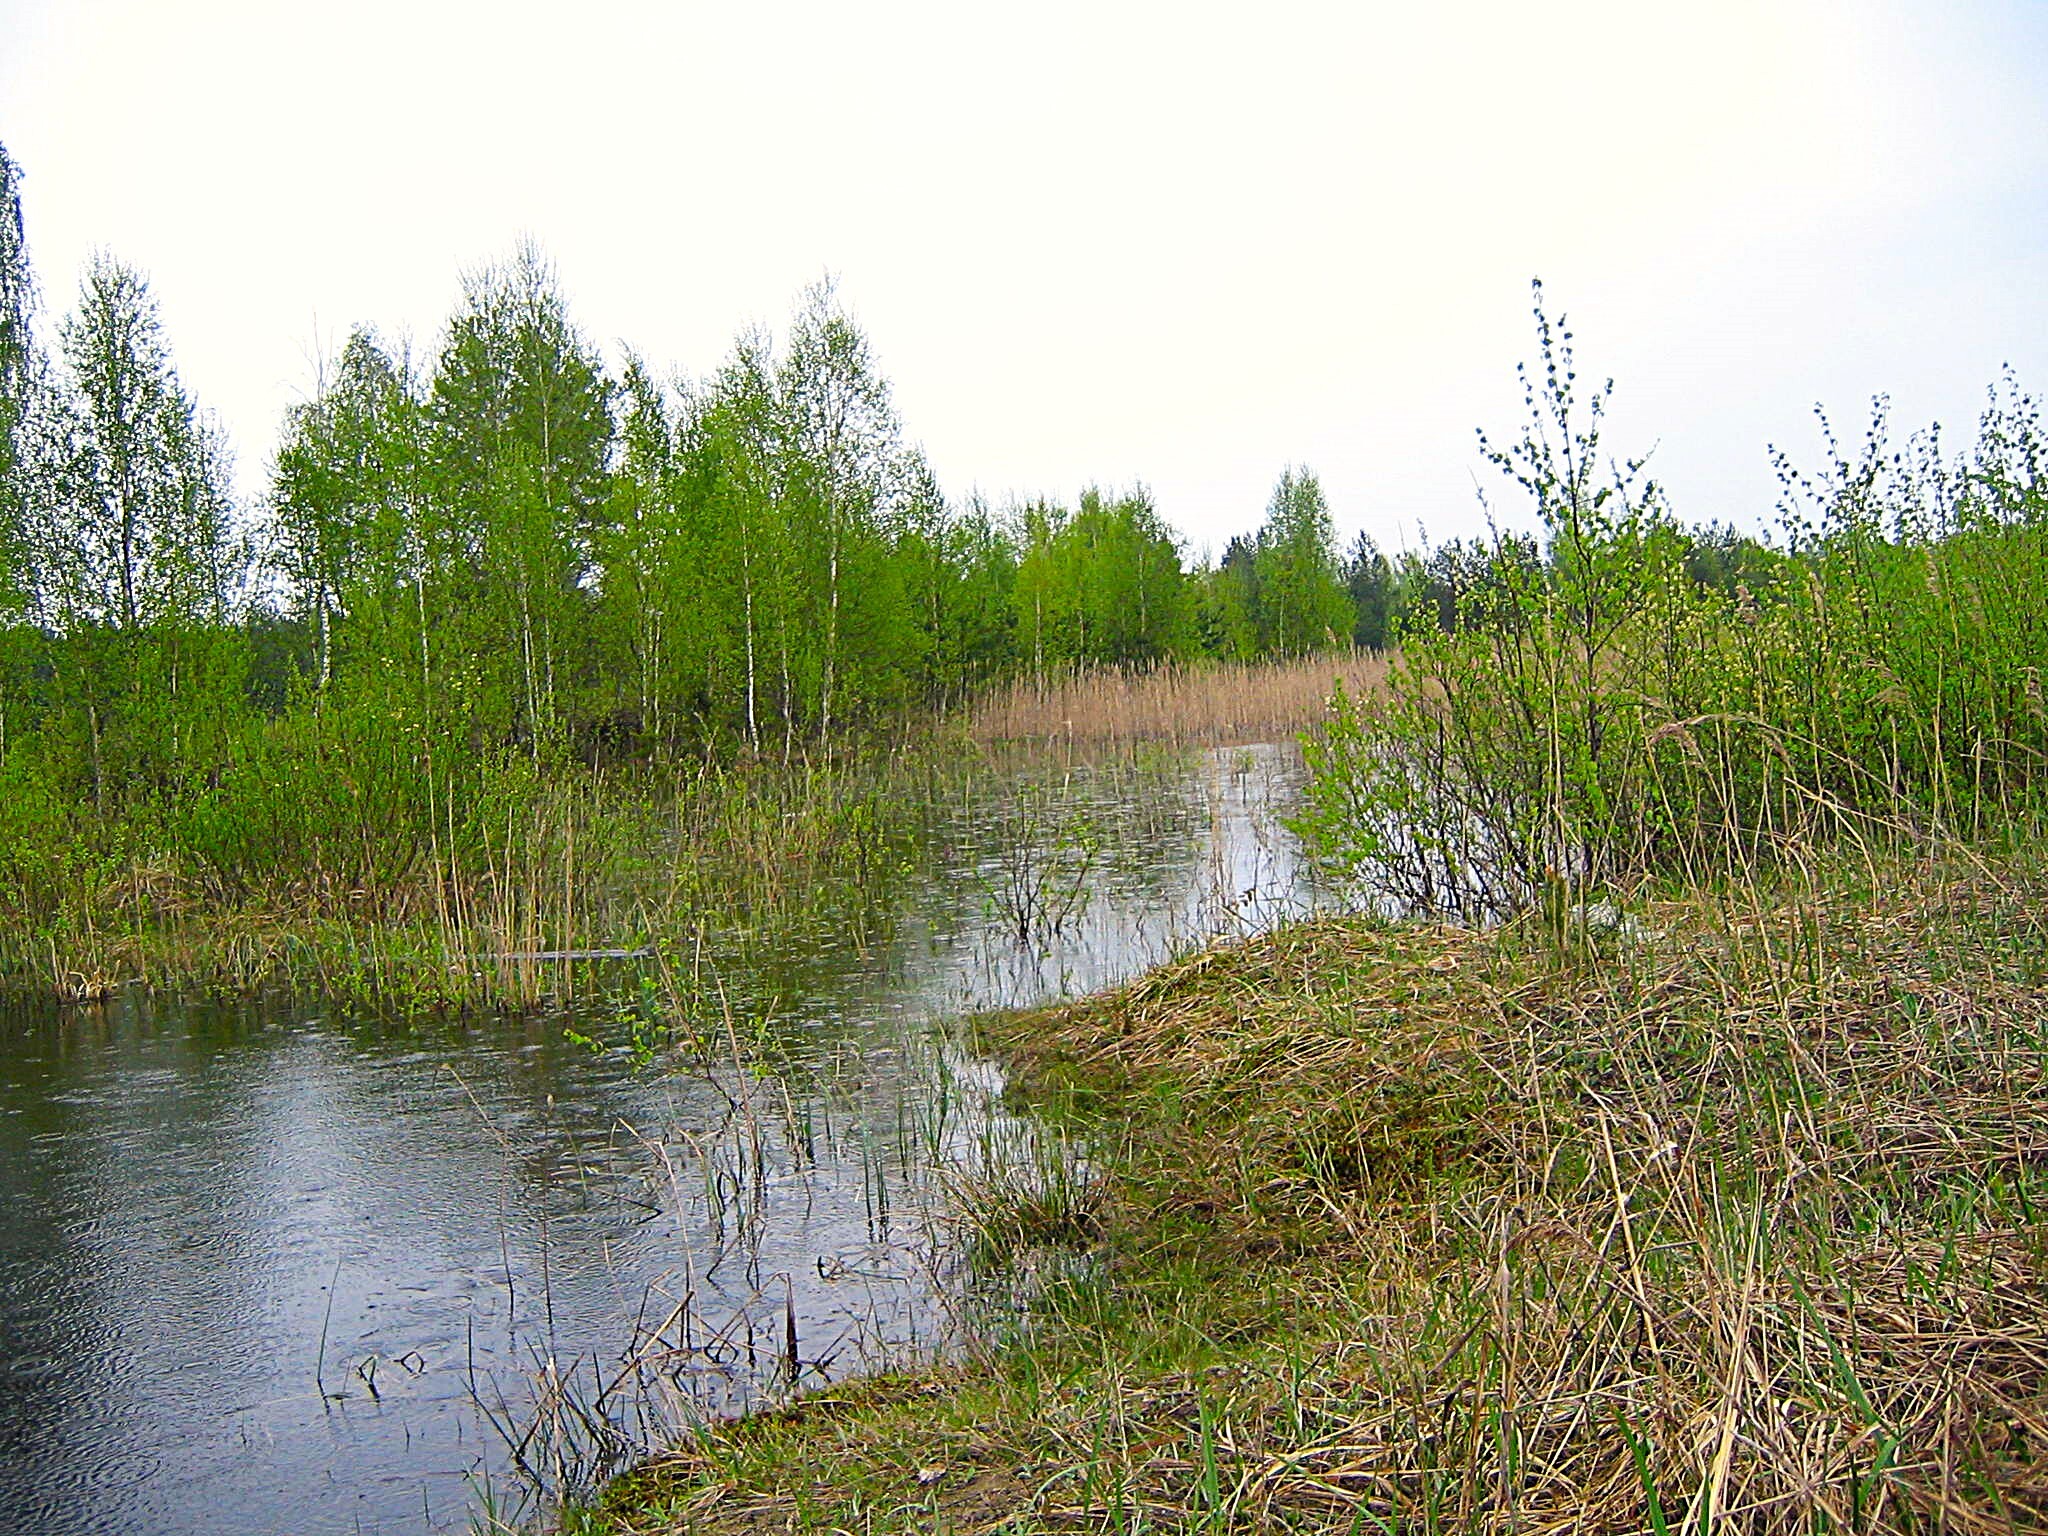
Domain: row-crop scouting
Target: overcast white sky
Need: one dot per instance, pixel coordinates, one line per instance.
(1098, 243)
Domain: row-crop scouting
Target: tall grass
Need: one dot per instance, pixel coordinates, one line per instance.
(1735, 1229)
(1219, 702)
(331, 862)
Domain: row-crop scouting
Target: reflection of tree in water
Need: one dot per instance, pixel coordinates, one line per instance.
(66, 1402)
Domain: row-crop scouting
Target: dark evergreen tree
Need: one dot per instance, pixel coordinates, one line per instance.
(1370, 582)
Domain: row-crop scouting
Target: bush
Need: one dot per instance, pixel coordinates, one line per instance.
(1603, 714)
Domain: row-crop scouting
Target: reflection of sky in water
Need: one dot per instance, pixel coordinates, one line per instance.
(182, 1186)
(1207, 859)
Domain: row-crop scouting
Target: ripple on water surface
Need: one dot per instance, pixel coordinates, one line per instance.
(275, 1268)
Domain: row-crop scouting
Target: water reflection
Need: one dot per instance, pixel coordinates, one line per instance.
(268, 1268)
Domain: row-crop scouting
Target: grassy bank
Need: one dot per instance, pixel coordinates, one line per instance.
(1728, 1218)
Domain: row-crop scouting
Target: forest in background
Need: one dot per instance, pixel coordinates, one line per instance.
(507, 545)
(472, 570)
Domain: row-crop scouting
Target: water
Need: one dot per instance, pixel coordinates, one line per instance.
(268, 1267)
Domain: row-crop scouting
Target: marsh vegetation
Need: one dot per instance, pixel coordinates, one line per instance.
(1663, 1152)
(623, 784)
(510, 635)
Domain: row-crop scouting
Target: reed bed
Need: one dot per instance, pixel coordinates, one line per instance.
(542, 892)
(1214, 703)
(1730, 1218)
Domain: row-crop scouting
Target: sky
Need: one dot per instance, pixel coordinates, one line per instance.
(1099, 243)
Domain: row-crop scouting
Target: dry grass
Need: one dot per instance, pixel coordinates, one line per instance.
(1735, 1228)
(1218, 702)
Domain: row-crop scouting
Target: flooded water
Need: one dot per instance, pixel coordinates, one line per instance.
(269, 1267)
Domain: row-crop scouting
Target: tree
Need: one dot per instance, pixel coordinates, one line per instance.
(20, 372)
(521, 434)
(981, 638)
(1233, 601)
(21, 378)
(1724, 558)
(1102, 585)
(134, 543)
(644, 594)
(1605, 529)
(1133, 589)
(732, 454)
(841, 446)
(1301, 604)
(958, 573)
(344, 510)
(1369, 579)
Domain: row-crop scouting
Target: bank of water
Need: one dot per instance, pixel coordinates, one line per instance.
(268, 1265)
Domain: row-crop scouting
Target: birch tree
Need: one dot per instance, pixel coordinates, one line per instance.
(737, 450)
(344, 509)
(842, 443)
(21, 377)
(134, 539)
(521, 412)
(1301, 605)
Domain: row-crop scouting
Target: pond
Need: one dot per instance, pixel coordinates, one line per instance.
(268, 1266)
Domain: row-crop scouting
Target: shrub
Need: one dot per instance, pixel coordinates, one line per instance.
(1601, 713)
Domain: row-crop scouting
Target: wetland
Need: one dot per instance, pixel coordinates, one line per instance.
(291, 1262)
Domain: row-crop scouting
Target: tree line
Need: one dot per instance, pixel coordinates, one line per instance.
(504, 544)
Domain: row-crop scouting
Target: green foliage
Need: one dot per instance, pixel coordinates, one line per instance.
(508, 552)
(1282, 591)
(960, 578)
(22, 382)
(519, 442)
(1228, 601)
(1634, 699)
(135, 560)
(1299, 604)
(1369, 581)
(510, 548)
(20, 378)
(345, 536)
(1100, 586)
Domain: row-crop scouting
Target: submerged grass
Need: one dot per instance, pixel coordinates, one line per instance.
(1728, 1219)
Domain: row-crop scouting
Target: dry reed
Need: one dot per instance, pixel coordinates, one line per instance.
(1221, 702)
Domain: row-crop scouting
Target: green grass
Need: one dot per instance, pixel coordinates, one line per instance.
(1735, 1225)
(445, 912)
